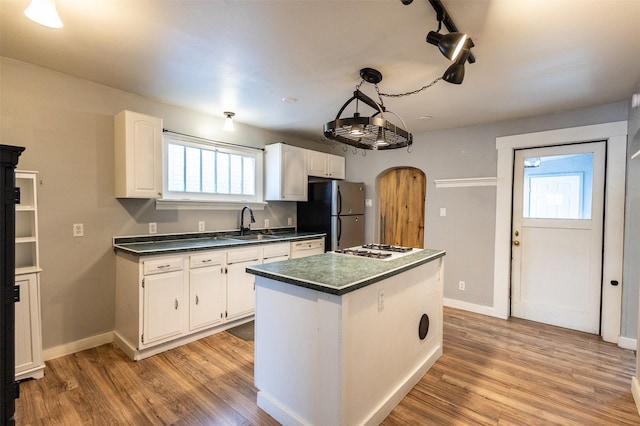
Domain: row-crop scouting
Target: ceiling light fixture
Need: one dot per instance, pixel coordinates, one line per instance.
(374, 132)
(44, 13)
(455, 46)
(228, 122)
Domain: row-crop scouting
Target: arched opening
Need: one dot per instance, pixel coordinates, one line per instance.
(402, 193)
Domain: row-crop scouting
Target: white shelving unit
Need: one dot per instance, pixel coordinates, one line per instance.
(28, 354)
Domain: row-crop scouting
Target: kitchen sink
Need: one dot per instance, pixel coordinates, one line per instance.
(253, 237)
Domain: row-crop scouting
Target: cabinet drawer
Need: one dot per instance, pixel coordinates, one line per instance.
(206, 259)
(243, 255)
(159, 266)
(276, 250)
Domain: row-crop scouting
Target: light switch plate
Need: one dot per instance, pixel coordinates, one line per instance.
(443, 211)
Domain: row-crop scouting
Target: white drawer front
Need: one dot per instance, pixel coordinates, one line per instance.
(206, 259)
(275, 250)
(243, 255)
(159, 266)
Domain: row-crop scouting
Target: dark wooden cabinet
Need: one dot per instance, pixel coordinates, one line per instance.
(9, 196)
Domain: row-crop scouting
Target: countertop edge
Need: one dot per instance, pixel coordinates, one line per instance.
(349, 288)
(223, 244)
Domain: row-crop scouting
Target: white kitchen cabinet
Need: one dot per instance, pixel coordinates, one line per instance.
(322, 164)
(138, 155)
(307, 248)
(241, 286)
(28, 325)
(286, 175)
(28, 333)
(207, 289)
(163, 286)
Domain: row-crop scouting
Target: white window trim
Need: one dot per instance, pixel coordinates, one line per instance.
(220, 202)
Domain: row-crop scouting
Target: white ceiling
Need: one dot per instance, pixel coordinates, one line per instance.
(533, 56)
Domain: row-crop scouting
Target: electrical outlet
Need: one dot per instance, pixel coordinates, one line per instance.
(289, 221)
(443, 211)
(153, 227)
(201, 226)
(266, 223)
(380, 300)
(461, 285)
(78, 230)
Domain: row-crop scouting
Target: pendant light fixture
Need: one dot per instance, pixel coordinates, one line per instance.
(368, 132)
(228, 122)
(44, 13)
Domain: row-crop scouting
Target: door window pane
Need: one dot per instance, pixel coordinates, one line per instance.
(558, 187)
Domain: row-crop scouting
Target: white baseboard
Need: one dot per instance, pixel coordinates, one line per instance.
(635, 390)
(471, 307)
(77, 346)
(627, 343)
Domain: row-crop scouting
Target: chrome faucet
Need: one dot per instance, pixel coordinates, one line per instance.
(253, 219)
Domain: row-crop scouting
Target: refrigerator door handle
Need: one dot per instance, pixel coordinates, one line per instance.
(339, 231)
(339, 201)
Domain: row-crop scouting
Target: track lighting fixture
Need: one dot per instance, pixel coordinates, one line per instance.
(228, 122)
(374, 132)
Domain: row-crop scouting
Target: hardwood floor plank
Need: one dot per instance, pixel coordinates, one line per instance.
(492, 372)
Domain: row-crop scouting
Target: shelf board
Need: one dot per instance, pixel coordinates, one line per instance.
(27, 270)
(23, 240)
(25, 208)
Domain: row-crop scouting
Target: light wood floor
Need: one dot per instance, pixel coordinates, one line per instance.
(492, 372)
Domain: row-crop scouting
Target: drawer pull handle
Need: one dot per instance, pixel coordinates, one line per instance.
(164, 266)
(207, 260)
(175, 306)
(197, 299)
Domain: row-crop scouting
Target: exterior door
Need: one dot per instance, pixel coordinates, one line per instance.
(402, 196)
(556, 271)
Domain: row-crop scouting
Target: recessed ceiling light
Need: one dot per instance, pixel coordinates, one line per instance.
(425, 117)
(289, 100)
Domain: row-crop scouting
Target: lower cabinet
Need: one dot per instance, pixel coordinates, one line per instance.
(163, 306)
(241, 287)
(28, 333)
(207, 290)
(165, 301)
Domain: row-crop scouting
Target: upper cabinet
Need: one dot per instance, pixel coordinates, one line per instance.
(286, 172)
(326, 165)
(138, 155)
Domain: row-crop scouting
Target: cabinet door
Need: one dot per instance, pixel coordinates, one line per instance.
(336, 166)
(138, 155)
(317, 163)
(294, 173)
(163, 306)
(27, 327)
(207, 296)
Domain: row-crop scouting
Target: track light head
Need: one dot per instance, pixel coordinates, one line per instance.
(450, 45)
(455, 73)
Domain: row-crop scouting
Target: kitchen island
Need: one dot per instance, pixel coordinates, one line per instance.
(340, 340)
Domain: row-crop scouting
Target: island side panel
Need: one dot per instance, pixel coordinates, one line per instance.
(297, 353)
(384, 356)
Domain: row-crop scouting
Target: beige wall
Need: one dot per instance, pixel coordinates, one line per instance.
(66, 125)
(467, 233)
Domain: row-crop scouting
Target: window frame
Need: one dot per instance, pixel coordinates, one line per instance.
(178, 200)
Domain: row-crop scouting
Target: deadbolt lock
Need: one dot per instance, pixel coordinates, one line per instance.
(517, 233)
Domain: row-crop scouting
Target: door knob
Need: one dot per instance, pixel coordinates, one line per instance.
(516, 243)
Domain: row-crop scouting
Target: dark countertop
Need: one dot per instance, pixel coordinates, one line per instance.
(148, 245)
(340, 274)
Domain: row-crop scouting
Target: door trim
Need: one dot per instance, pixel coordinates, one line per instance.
(615, 134)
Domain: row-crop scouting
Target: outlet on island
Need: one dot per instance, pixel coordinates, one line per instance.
(153, 228)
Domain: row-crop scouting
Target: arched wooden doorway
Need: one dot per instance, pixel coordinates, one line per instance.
(402, 196)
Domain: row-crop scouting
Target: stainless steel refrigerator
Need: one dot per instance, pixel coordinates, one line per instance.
(336, 208)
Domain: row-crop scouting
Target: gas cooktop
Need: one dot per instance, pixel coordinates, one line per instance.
(377, 251)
